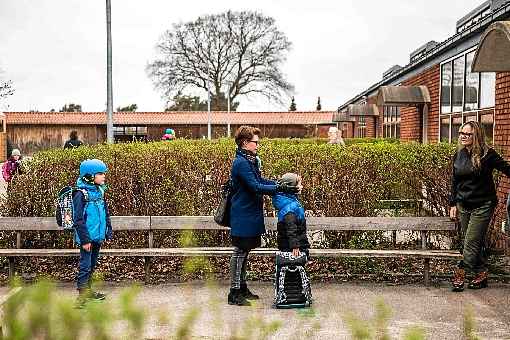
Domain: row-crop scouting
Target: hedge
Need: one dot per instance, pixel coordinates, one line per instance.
(183, 177)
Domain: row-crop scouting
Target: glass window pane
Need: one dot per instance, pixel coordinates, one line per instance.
(487, 124)
(472, 84)
(131, 130)
(118, 130)
(398, 114)
(458, 84)
(385, 114)
(397, 134)
(141, 130)
(445, 129)
(487, 89)
(446, 83)
(456, 124)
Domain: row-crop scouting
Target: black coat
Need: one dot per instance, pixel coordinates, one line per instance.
(472, 187)
(292, 233)
(72, 143)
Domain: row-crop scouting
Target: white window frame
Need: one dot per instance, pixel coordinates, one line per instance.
(467, 113)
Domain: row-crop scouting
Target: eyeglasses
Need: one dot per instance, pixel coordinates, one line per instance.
(466, 134)
(254, 141)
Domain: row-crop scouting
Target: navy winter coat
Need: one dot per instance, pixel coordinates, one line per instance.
(246, 212)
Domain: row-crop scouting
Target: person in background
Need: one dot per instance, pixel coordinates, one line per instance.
(169, 135)
(335, 136)
(12, 166)
(73, 141)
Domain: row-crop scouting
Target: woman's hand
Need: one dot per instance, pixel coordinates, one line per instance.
(296, 252)
(453, 213)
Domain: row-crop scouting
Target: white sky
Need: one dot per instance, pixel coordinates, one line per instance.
(55, 51)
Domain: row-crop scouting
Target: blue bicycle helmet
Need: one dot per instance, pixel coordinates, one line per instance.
(91, 167)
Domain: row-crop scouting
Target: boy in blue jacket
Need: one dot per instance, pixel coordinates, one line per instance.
(91, 223)
(292, 286)
(291, 218)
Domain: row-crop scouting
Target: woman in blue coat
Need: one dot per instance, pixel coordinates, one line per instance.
(247, 214)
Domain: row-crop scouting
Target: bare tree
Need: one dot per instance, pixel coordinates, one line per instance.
(6, 88)
(236, 53)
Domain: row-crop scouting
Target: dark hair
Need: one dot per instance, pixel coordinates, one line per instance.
(245, 133)
(73, 135)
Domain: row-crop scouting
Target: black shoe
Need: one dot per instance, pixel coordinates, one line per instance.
(236, 298)
(247, 294)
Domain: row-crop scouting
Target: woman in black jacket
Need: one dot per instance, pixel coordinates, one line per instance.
(473, 200)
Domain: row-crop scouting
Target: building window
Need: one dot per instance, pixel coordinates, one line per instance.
(479, 87)
(130, 131)
(391, 122)
(458, 84)
(362, 126)
(472, 85)
(446, 84)
(487, 89)
(463, 96)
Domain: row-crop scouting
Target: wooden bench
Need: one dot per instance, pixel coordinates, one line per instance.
(424, 225)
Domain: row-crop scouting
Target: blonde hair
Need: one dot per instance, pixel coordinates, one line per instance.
(479, 147)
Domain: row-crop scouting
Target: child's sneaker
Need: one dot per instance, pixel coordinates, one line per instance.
(97, 296)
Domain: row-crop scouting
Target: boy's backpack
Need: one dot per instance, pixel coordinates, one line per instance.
(292, 286)
(64, 212)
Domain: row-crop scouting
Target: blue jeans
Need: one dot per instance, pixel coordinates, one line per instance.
(88, 262)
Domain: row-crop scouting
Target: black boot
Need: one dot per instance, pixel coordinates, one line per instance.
(247, 294)
(236, 298)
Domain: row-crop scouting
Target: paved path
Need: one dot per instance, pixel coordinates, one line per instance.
(436, 309)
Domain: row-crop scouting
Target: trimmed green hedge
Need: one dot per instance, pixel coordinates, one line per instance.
(172, 178)
(183, 177)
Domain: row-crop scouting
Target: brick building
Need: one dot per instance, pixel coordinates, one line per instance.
(428, 99)
(34, 131)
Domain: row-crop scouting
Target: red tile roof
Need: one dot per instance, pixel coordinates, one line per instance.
(168, 118)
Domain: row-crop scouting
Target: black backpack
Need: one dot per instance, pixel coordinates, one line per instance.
(64, 212)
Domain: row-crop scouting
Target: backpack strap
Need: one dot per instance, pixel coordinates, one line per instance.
(84, 192)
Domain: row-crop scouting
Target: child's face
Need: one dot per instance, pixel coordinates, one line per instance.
(15, 157)
(99, 178)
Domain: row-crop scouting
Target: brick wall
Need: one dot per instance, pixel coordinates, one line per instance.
(371, 127)
(374, 123)
(502, 145)
(411, 118)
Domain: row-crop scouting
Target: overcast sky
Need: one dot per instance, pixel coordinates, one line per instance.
(54, 51)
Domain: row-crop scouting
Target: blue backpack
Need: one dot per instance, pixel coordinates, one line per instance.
(64, 212)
